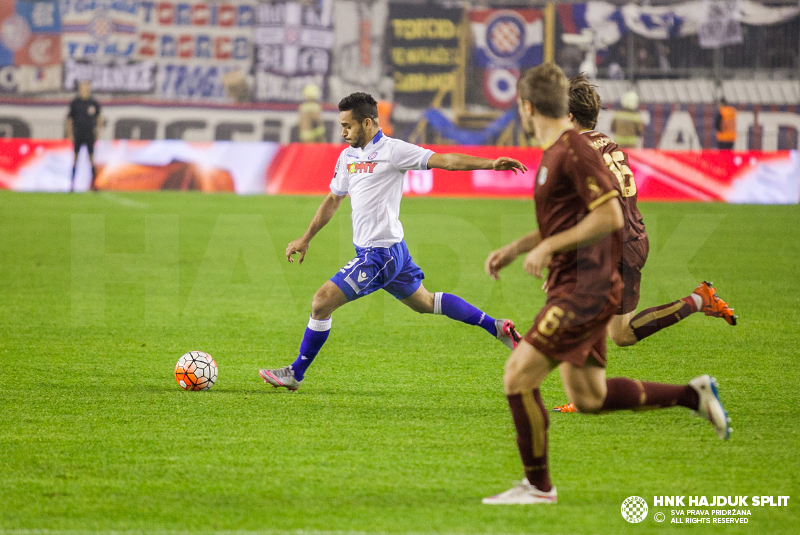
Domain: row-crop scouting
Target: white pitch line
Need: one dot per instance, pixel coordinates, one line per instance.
(124, 201)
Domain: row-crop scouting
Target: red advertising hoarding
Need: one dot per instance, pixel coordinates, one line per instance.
(307, 169)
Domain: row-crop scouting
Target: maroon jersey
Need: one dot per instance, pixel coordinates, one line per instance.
(617, 162)
(573, 180)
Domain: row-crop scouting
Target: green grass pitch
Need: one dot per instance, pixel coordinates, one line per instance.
(401, 425)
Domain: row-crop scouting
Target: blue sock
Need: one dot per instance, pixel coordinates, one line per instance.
(456, 308)
(313, 339)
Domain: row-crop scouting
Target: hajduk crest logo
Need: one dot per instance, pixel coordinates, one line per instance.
(505, 35)
(634, 509)
(372, 156)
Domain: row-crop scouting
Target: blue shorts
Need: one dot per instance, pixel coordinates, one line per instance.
(373, 268)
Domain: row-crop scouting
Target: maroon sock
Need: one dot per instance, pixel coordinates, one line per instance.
(532, 421)
(624, 393)
(652, 320)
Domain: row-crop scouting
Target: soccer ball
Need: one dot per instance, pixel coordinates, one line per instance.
(196, 371)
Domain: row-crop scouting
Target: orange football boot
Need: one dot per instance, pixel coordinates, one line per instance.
(713, 305)
(569, 407)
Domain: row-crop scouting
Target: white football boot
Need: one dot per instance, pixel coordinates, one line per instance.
(710, 407)
(507, 334)
(280, 377)
(522, 494)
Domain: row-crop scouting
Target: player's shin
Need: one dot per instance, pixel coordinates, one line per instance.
(532, 421)
(314, 338)
(457, 309)
(623, 393)
(652, 320)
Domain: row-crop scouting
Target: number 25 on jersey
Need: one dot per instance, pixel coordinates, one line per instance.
(616, 163)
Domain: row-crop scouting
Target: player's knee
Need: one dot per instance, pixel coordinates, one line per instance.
(588, 403)
(512, 378)
(321, 305)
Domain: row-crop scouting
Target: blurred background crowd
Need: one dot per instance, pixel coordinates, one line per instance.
(444, 71)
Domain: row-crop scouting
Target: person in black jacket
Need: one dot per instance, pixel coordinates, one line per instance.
(83, 122)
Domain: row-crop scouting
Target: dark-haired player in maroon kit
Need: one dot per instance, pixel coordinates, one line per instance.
(579, 240)
(625, 328)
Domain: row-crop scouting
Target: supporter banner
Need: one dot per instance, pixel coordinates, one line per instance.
(30, 33)
(293, 48)
(99, 30)
(37, 165)
(720, 25)
(610, 22)
(30, 80)
(133, 77)
(506, 42)
(202, 49)
(423, 51)
(196, 31)
(195, 82)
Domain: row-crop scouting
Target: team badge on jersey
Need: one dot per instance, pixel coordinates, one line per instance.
(542, 176)
(372, 156)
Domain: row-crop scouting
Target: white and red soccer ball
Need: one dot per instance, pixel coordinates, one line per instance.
(196, 370)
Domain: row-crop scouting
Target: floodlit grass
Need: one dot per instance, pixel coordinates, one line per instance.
(401, 424)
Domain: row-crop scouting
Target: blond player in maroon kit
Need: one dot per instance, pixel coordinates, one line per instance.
(626, 328)
(579, 240)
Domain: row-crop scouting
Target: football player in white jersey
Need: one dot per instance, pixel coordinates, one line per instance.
(371, 171)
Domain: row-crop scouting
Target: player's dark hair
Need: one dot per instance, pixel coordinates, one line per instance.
(584, 102)
(362, 105)
(545, 87)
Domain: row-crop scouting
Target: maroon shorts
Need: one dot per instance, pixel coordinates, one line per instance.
(634, 255)
(571, 327)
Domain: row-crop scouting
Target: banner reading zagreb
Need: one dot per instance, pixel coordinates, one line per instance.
(507, 41)
(424, 54)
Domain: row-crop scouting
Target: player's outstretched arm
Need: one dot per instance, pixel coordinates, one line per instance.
(502, 257)
(324, 214)
(599, 223)
(464, 162)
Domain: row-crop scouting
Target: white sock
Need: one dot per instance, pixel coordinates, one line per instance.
(697, 301)
(437, 302)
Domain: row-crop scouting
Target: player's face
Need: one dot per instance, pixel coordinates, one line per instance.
(525, 117)
(85, 89)
(352, 131)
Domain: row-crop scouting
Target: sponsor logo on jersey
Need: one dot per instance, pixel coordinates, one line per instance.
(542, 177)
(362, 167)
(362, 276)
(372, 156)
